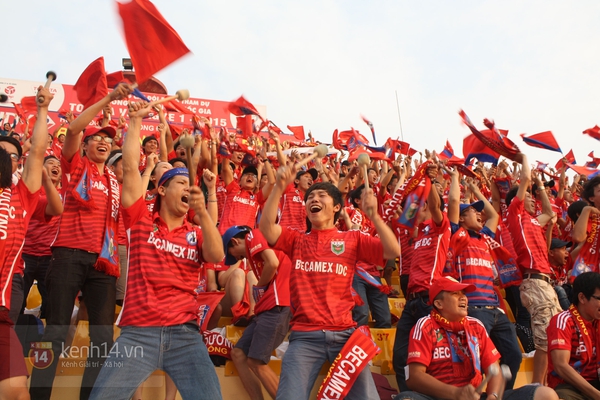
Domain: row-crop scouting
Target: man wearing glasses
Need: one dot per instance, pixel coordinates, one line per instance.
(572, 342)
(84, 253)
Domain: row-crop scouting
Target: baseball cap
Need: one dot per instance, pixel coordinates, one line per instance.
(477, 205)
(250, 170)
(171, 173)
(147, 139)
(14, 142)
(557, 244)
(93, 130)
(313, 173)
(227, 236)
(447, 284)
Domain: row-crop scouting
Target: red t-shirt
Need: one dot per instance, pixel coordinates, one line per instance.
(150, 200)
(163, 270)
(322, 270)
(428, 345)
(81, 226)
(240, 208)
(41, 231)
(292, 209)
(407, 246)
(563, 334)
(278, 291)
(16, 207)
(429, 254)
(366, 226)
(528, 238)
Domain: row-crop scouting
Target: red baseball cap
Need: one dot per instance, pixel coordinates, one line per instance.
(448, 284)
(93, 130)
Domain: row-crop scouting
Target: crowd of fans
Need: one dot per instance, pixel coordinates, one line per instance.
(160, 224)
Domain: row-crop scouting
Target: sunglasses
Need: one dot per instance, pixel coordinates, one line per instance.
(100, 138)
(14, 157)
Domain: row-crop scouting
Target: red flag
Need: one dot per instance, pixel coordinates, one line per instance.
(337, 143)
(475, 148)
(19, 111)
(114, 79)
(244, 126)
(595, 161)
(495, 139)
(372, 154)
(371, 127)
(176, 106)
(242, 107)
(91, 85)
(298, 132)
(593, 132)
(152, 43)
(28, 104)
(589, 172)
(399, 146)
(570, 157)
(542, 140)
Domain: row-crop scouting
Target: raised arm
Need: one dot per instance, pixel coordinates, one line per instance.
(490, 212)
(391, 248)
(268, 226)
(547, 212)
(132, 181)
(31, 176)
(525, 177)
(55, 205)
(453, 196)
(212, 243)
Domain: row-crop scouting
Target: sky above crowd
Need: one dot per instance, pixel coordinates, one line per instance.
(530, 66)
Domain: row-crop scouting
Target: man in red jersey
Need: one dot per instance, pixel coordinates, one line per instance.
(537, 293)
(84, 253)
(428, 260)
(293, 213)
(17, 203)
(323, 263)
(573, 343)
(449, 353)
(269, 327)
(159, 322)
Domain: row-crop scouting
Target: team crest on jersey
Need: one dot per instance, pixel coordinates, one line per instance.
(154, 228)
(438, 335)
(191, 238)
(426, 230)
(337, 247)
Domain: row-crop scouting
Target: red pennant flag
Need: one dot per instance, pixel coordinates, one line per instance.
(91, 86)
(19, 111)
(114, 79)
(371, 127)
(242, 107)
(28, 104)
(298, 132)
(570, 157)
(593, 132)
(542, 140)
(588, 172)
(372, 154)
(244, 126)
(337, 143)
(176, 106)
(495, 139)
(399, 146)
(475, 148)
(152, 43)
(595, 161)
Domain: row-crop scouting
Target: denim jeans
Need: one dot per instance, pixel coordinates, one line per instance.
(139, 351)
(503, 335)
(304, 358)
(36, 268)
(563, 296)
(413, 311)
(375, 300)
(526, 392)
(70, 271)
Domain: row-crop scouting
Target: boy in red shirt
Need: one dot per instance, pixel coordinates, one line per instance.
(323, 263)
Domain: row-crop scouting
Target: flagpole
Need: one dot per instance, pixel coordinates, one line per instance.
(399, 119)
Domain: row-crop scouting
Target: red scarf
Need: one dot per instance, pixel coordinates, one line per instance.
(588, 258)
(584, 334)
(464, 347)
(84, 174)
(347, 366)
(405, 190)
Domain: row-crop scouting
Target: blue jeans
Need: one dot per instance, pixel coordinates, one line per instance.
(304, 358)
(413, 311)
(503, 335)
(563, 297)
(523, 393)
(375, 300)
(139, 351)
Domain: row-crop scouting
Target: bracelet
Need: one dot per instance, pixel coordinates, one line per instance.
(492, 394)
(212, 201)
(212, 194)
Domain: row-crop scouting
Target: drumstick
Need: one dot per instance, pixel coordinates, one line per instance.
(319, 151)
(492, 371)
(50, 76)
(364, 161)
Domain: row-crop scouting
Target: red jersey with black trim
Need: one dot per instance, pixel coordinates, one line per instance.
(80, 226)
(528, 238)
(292, 209)
(41, 231)
(322, 271)
(564, 334)
(163, 270)
(240, 208)
(429, 254)
(16, 208)
(278, 290)
(428, 344)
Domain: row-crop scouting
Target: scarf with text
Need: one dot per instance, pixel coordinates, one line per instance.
(404, 191)
(84, 174)
(585, 336)
(588, 258)
(349, 363)
(464, 347)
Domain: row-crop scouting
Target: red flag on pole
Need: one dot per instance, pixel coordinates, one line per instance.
(114, 79)
(91, 86)
(570, 157)
(242, 107)
(298, 132)
(593, 132)
(28, 104)
(152, 43)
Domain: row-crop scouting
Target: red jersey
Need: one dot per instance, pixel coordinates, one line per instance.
(150, 200)
(366, 226)
(564, 334)
(292, 209)
(407, 246)
(221, 193)
(81, 226)
(41, 231)
(428, 345)
(528, 238)
(163, 270)
(278, 290)
(16, 207)
(322, 271)
(241, 207)
(431, 251)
